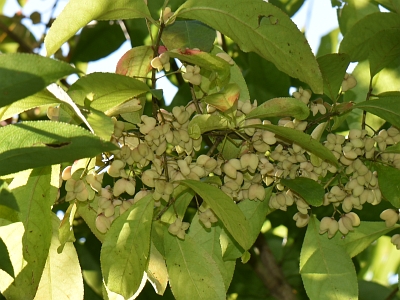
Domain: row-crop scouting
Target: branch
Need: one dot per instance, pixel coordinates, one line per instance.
(270, 273)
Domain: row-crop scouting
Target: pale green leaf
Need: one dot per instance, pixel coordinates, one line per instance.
(24, 74)
(311, 191)
(333, 68)
(39, 99)
(355, 42)
(193, 274)
(77, 14)
(136, 62)
(255, 212)
(362, 236)
(102, 125)
(200, 124)
(62, 275)
(262, 28)
(387, 108)
(106, 90)
(303, 140)
(325, 267)
(34, 144)
(384, 47)
(389, 183)
(225, 209)
(188, 34)
(157, 271)
(126, 247)
(226, 99)
(35, 195)
(280, 107)
(65, 231)
(89, 215)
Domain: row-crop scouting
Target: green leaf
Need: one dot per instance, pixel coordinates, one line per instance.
(262, 28)
(35, 194)
(362, 236)
(303, 140)
(193, 274)
(204, 60)
(101, 124)
(226, 99)
(329, 43)
(89, 215)
(106, 90)
(136, 62)
(386, 108)
(355, 42)
(35, 144)
(39, 99)
(333, 67)
(62, 275)
(326, 269)
(225, 209)
(373, 290)
(97, 41)
(26, 74)
(8, 204)
(205, 123)
(392, 5)
(393, 149)
(126, 247)
(157, 271)
(77, 14)
(183, 196)
(288, 6)
(5, 262)
(384, 48)
(389, 183)
(65, 230)
(280, 107)
(188, 34)
(9, 44)
(311, 191)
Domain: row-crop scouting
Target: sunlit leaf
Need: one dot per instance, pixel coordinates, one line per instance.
(226, 99)
(311, 191)
(62, 275)
(36, 144)
(193, 274)
(365, 234)
(77, 14)
(262, 28)
(386, 108)
(136, 62)
(65, 232)
(23, 75)
(126, 247)
(225, 209)
(280, 107)
(303, 140)
(325, 267)
(205, 123)
(389, 183)
(157, 271)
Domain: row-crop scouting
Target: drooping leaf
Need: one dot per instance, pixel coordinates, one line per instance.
(36, 144)
(303, 140)
(325, 267)
(204, 60)
(136, 62)
(193, 274)
(262, 28)
(384, 47)
(5, 262)
(43, 97)
(97, 41)
(389, 183)
(62, 275)
(225, 209)
(35, 195)
(355, 42)
(157, 271)
(386, 108)
(23, 75)
(205, 123)
(77, 14)
(188, 34)
(280, 107)
(333, 68)
(255, 212)
(362, 236)
(126, 247)
(226, 99)
(311, 191)
(106, 90)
